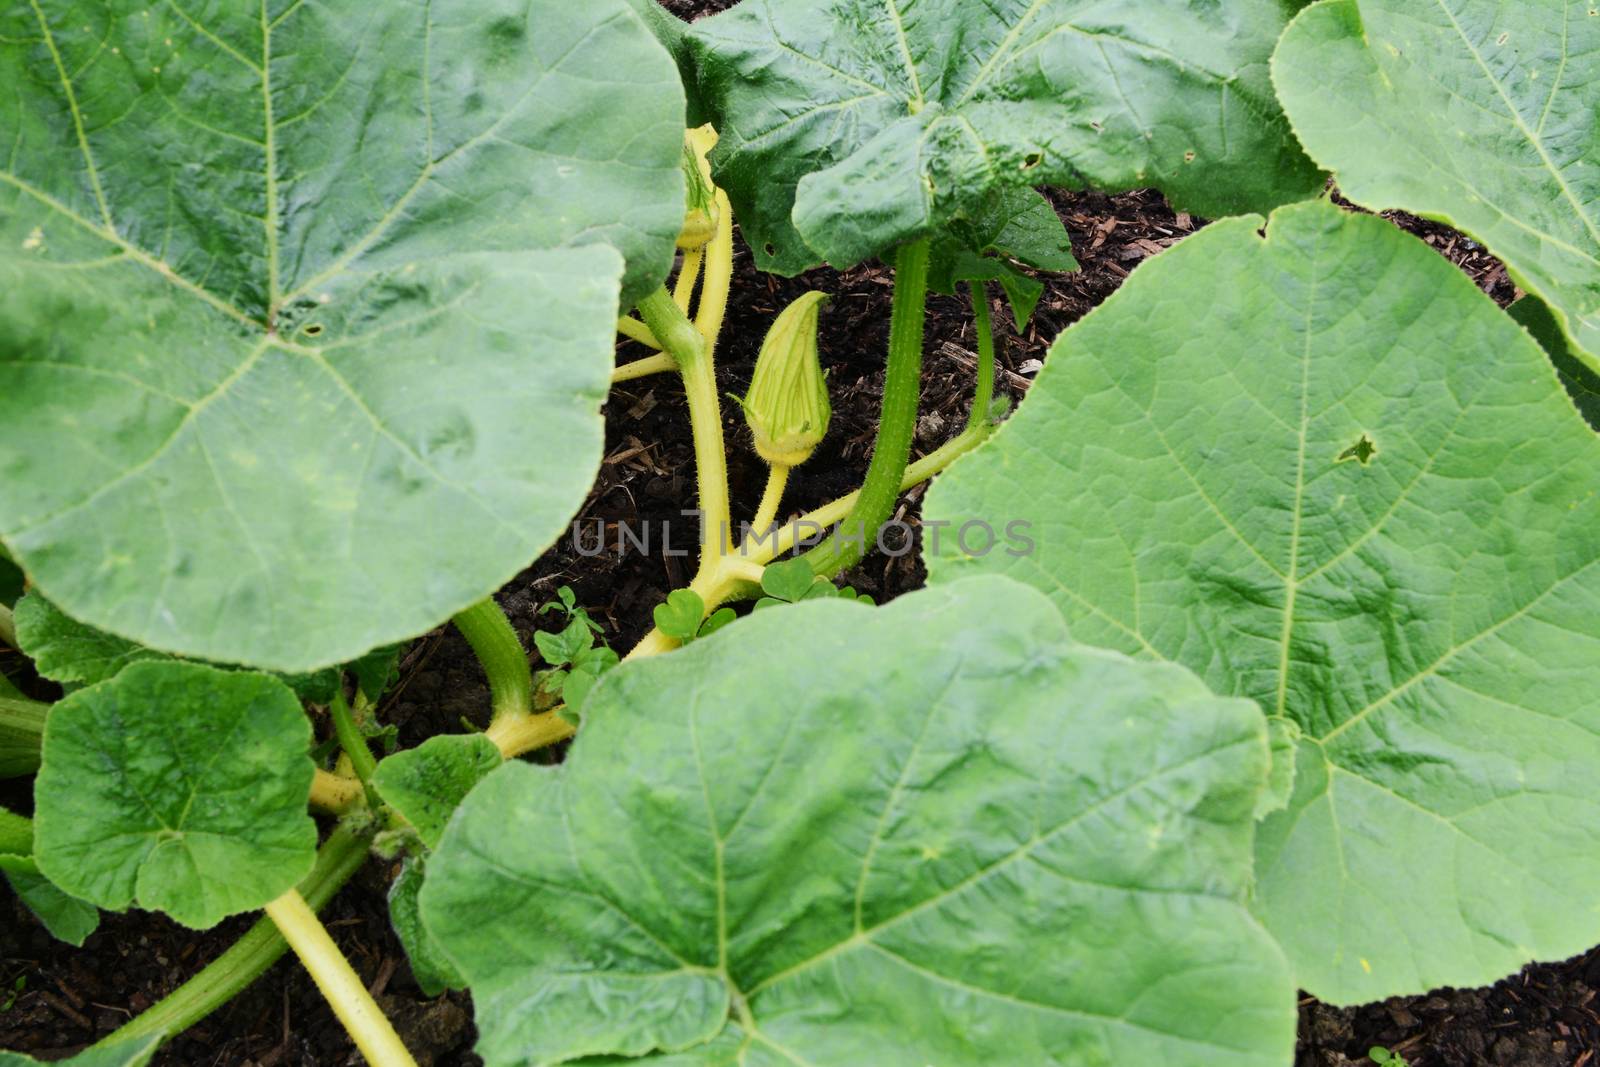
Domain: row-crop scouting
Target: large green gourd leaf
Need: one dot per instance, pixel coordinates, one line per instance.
(937, 832)
(851, 126)
(178, 787)
(1327, 473)
(1481, 114)
(306, 309)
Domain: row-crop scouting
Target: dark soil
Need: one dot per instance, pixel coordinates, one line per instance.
(66, 998)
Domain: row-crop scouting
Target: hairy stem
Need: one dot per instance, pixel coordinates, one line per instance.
(791, 533)
(16, 834)
(983, 397)
(897, 423)
(771, 498)
(338, 981)
(525, 734)
(249, 957)
(351, 739)
(504, 660)
(685, 343)
(21, 735)
(688, 274)
(634, 330)
(642, 368)
(719, 278)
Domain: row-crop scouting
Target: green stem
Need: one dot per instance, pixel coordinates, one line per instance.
(8, 627)
(983, 398)
(16, 834)
(896, 426)
(21, 735)
(680, 339)
(351, 739)
(228, 975)
(504, 660)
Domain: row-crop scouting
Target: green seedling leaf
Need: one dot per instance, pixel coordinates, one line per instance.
(852, 126)
(1020, 226)
(789, 580)
(679, 618)
(566, 600)
(864, 870)
(425, 784)
(231, 256)
(67, 918)
(566, 645)
(1429, 618)
(1581, 383)
(177, 787)
(134, 1053)
(1472, 113)
(717, 620)
(434, 973)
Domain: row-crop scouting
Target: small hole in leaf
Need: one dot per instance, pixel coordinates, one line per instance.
(313, 329)
(1031, 160)
(770, 248)
(1188, 157)
(1362, 451)
(1503, 38)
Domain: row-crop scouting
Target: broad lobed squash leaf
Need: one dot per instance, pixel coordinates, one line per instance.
(1324, 471)
(177, 787)
(1481, 114)
(934, 832)
(852, 126)
(307, 309)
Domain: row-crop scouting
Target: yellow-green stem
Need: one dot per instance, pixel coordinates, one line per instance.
(983, 396)
(21, 735)
(683, 341)
(642, 368)
(8, 627)
(688, 274)
(634, 330)
(336, 794)
(230, 973)
(771, 499)
(351, 739)
(340, 986)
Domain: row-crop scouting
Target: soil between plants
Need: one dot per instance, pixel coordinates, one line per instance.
(55, 999)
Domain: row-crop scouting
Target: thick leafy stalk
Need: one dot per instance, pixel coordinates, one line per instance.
(249, 957)
(336, 794)
(8, 627)
(338, 981)
(351, 740)
(983, 398)
(16, 834)
(688, 275)
(684, 342)
(504, 660)
(21, 734)
(897, 423)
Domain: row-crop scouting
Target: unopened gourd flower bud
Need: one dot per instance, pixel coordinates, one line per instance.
(787, 406)
(700, 214)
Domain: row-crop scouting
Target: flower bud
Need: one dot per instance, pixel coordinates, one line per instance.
(700, 214)
(787, 406)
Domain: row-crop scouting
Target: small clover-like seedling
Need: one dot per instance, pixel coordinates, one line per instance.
(793, 581)
(1384, 1058)
(680, 616)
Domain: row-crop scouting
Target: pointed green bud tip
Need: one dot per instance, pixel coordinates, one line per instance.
(700, 213)
(787, 406)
